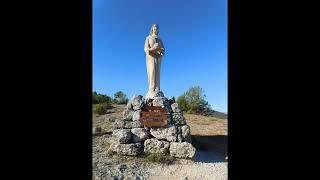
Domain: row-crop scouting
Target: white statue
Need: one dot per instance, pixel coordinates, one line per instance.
(154, 50)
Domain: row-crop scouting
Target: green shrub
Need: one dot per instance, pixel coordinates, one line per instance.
(101, 108)
(193, 101)
(183, 104)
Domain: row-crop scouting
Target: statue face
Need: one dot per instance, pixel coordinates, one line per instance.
(155, 29)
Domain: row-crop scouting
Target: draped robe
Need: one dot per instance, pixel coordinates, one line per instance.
(153, 62)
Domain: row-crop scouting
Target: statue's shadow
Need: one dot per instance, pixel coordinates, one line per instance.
(210, 149)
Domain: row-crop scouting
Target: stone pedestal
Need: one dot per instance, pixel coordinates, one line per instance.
(155, 124)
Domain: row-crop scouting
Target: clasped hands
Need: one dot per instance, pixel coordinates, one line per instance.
(156, 49)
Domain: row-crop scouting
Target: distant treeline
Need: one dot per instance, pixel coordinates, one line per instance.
(192, 101)
(118, 98)
(102, 102)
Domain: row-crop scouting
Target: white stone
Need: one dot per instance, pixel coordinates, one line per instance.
(182, 150)
(127, 114)
(160, 101)
(139, 134)
(121, 135)
(136, 115)
(133, 149)
(137, 124)
(120, 123)
(167, 133)
(178, 119)
(175, 108)
(156, 146)
(137, 102)
(186, 133)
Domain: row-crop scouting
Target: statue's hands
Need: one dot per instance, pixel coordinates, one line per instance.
(156, 51)
(152, 49)
(156, 45)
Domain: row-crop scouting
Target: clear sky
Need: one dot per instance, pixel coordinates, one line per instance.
(194, 33)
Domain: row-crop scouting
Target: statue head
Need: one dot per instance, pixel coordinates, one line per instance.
(155, 29)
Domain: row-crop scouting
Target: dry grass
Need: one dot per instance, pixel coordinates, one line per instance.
(206, 126)
(105, 121)
(208, 133)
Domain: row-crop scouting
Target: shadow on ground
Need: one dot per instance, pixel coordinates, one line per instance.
(210, 149)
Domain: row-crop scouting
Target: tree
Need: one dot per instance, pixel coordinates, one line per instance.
(120, 98)
(100, 98)
(193, 101)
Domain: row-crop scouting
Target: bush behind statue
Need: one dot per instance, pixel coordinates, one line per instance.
(120, 98)
(193, 101)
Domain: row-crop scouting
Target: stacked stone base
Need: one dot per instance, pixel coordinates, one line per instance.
(131, 138)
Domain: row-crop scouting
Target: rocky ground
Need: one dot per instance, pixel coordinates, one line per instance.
(209, 136)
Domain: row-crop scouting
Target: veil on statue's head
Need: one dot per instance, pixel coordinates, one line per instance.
(152, 28)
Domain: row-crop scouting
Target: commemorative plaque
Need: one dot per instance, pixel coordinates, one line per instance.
(153, 116)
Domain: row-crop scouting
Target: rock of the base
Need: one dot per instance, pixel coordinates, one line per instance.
(139, 134)
(129, 106)
(178, 119)
(137, 102)
(156, 146)
(119, 123)
(170, 121)
(168, 133)
(121, 135)
(123, 124)
(127, 124)
(148, 101)
(179, 138)
(182, 150)
(175, 108)
(133, 149)
(160, 101)
(137, 124)
(179, 132)
(136, 115)
(147, 128)
(186, 133)
(171, 101)
(159, 94)
(127, 114)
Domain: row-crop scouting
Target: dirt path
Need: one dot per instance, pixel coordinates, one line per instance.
(194, 171)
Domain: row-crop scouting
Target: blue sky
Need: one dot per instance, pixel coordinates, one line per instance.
(194, 33)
